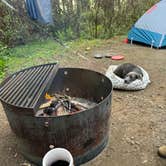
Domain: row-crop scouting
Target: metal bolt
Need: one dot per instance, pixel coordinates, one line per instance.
(46, 124)
(51, 146)
(65, 72)
(67, 89)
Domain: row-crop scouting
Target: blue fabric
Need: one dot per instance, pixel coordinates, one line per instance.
(153, 19)
(32, 9)
(40, 10)
(145, 36)
(151, 26)
(164, 41)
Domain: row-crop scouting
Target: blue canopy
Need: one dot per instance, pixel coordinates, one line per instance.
(40, 10)
(151, 27)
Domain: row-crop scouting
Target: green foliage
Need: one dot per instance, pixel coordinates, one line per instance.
(100, 18)
(66, 35)
(2, 68)
(8, 24)
(87, 19)
(4, 56)
(16, 28)
(46, 51)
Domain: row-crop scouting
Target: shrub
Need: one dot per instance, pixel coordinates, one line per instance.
(4, 55)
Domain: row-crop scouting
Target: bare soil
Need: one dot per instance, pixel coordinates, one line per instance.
(138, 122)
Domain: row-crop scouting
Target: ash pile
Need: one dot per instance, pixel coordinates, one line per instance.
(59, 105)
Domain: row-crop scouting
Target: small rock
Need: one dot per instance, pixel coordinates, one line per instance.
(145, 161)
(128, 140)
(114, 128)
(132, 138)
(123, 139)
(134, 97)
(116, 99)
(25, 164)
(162, 151)
(132, 142)
(151, 102)
(15, 155)
(108, 155)
(160, 106)
(120, 98)
(162, 138)
(136, 142)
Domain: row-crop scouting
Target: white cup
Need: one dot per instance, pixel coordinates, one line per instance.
(57, 154)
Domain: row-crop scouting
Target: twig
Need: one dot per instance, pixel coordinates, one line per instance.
(80, 55)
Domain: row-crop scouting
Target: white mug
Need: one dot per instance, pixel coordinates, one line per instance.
(57, 154)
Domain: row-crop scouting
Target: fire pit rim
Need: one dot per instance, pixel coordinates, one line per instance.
(64, 68)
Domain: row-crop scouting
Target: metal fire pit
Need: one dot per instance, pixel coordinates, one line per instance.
(84, 134)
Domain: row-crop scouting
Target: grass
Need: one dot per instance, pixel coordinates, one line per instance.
(46, 52)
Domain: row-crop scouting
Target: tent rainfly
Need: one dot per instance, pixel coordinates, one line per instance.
(150, 29)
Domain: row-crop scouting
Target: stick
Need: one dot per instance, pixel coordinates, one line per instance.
(10, 6)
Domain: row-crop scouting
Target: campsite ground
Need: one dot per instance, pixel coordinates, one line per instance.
(138, 122)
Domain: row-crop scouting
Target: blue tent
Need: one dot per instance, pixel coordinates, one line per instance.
(151, 27)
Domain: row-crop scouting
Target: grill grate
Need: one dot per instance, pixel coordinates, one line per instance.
(25, 88)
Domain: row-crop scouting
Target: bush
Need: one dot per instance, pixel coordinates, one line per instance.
(4, 55)
(72, 19)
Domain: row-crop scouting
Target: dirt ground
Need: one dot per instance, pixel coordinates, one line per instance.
(138, 121)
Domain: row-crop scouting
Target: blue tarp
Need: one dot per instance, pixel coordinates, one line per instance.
(40, 10)
(151, 27)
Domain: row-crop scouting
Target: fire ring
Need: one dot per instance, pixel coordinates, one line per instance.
(84, 133)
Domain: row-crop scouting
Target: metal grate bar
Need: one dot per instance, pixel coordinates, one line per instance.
(17, 86)
(25, 88)
(10, 82)
(17, 83)
(27, 99)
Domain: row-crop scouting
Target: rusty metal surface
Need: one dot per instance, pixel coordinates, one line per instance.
(84, 134)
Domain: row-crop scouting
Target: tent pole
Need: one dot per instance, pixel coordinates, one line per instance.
(131, 41)
(152, 44)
